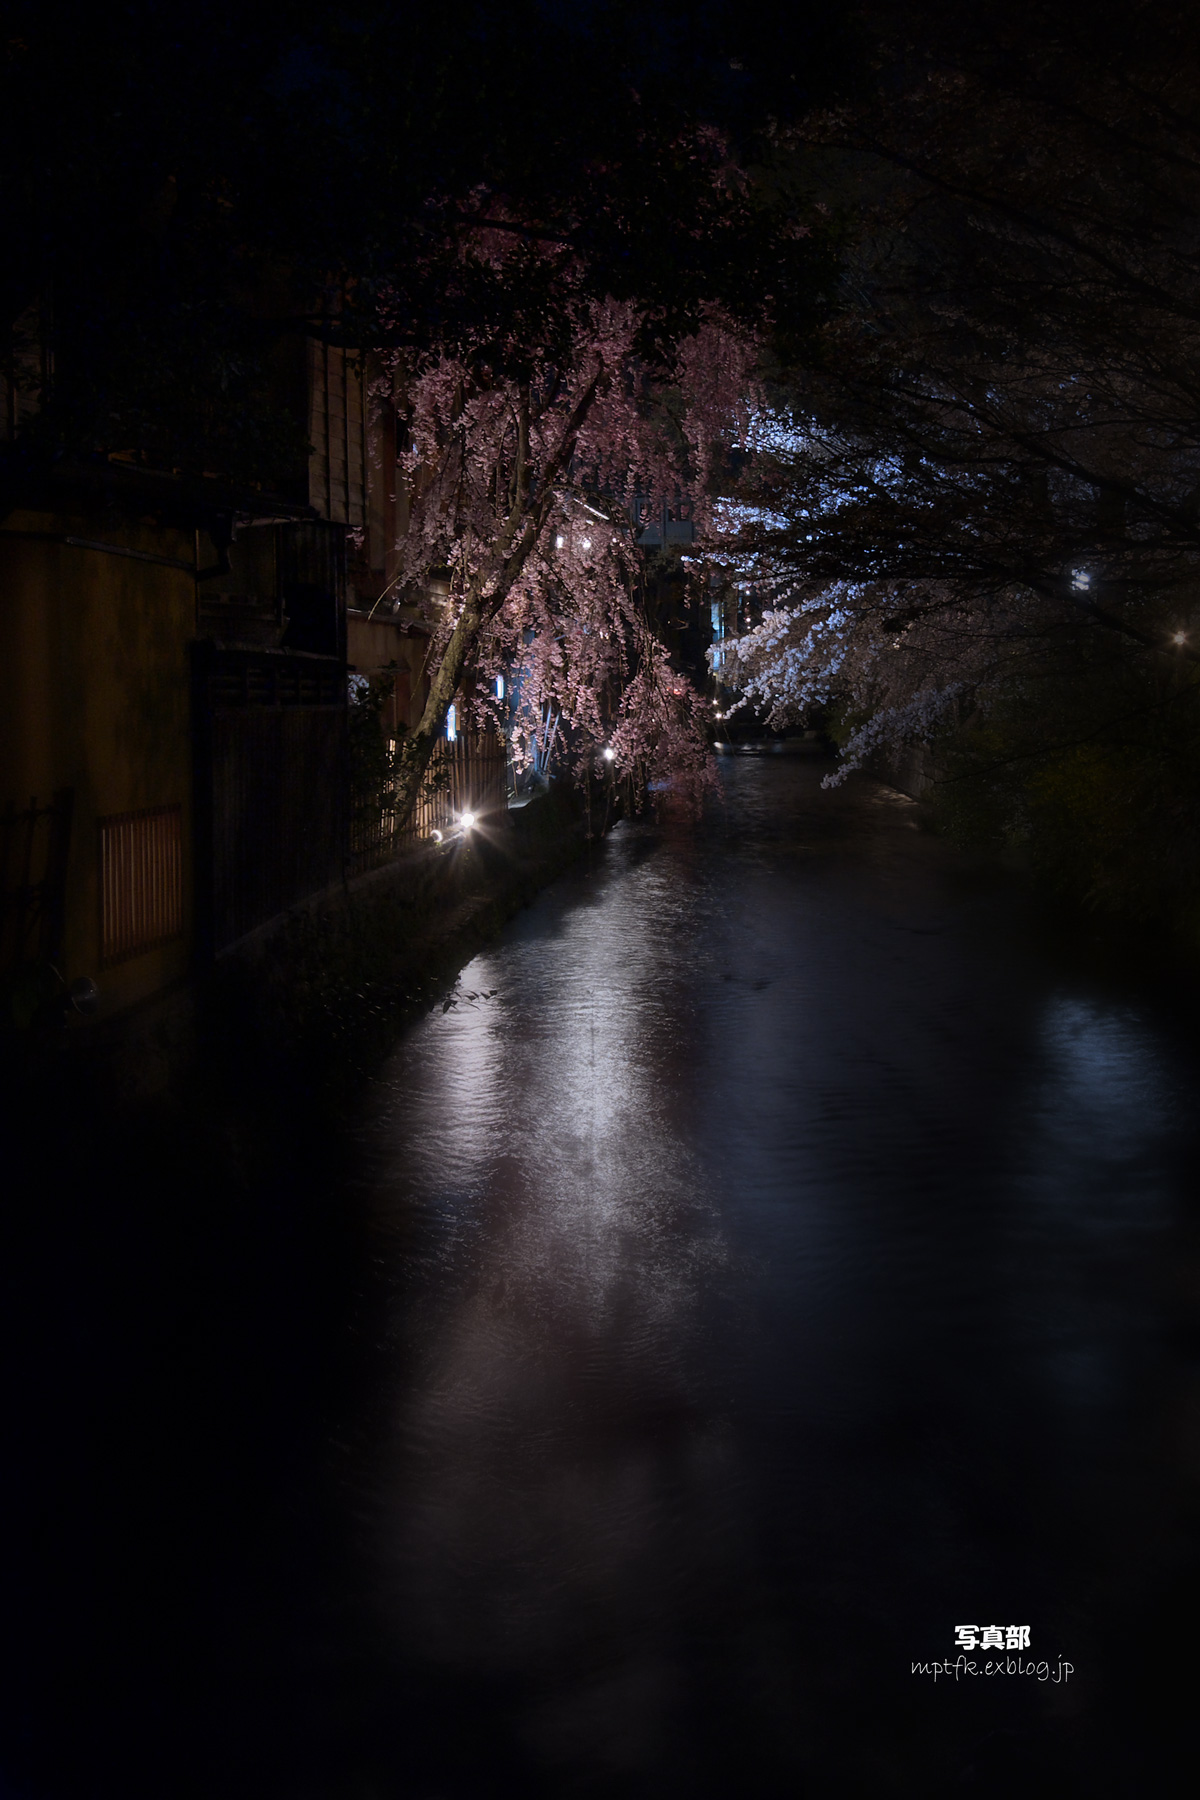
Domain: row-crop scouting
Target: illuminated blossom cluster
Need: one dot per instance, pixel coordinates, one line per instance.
(833, 646)
(524, 461)
(900, 659)
(892, 586)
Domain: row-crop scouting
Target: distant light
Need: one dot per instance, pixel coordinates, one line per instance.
(609, 753)
(1180, 637)
(1081, 579)
(451, 724)
(585, 543)
(466, 820)
(499, 687)
(559, 541)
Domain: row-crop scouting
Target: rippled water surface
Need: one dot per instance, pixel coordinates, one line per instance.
(774, 1243)
(774, 1256)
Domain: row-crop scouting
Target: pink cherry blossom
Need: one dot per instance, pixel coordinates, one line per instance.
(525, 458)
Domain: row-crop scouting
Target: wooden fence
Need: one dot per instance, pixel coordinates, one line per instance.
(468, 775)
(33, 875)
(271, 802)
(141, 882)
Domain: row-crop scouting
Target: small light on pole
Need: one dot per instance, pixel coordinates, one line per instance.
(609, 753)
(466, 820)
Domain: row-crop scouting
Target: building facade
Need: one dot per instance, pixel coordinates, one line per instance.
(172, 697)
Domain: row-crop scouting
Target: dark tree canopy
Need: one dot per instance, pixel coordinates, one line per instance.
(180, 185)
(975, 522)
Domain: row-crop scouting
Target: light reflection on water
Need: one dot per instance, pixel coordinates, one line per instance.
(560, 1428)
(771, 1262)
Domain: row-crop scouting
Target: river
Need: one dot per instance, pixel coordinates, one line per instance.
(772, 1258)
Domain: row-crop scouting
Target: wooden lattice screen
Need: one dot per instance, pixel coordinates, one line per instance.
(469, 774)
(337, 428)
(141, 882)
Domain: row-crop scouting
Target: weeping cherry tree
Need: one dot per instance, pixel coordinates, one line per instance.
(528, 445)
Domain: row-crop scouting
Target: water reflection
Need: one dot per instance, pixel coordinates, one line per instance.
(1104, 1084)
(771, 1248)
(562, 1460)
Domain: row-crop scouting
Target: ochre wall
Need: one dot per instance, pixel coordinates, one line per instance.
(94, 695)
(371, 644)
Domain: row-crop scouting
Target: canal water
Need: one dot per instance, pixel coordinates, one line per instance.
(770, 1265)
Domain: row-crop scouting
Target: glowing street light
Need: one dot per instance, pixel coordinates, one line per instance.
(609, 753)
(466, 820)
(1180, 637)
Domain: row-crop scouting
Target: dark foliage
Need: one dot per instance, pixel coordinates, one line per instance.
(184, 191)
(996, 460)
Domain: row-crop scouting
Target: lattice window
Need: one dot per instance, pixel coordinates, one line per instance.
(338, 484)
(141, 882)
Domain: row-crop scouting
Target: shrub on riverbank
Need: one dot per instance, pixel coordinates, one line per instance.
(1095, 782)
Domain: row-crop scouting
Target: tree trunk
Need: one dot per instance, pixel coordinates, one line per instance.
(417, 748)
(485, 597)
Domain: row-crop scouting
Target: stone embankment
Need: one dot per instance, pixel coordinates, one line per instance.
(317, 994)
